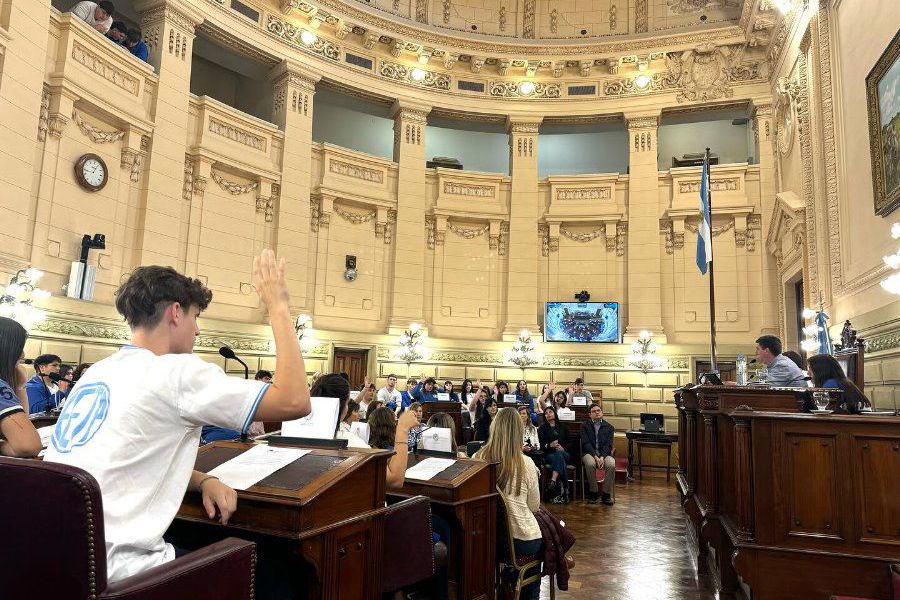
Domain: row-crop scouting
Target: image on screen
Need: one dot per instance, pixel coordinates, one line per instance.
(596, 322)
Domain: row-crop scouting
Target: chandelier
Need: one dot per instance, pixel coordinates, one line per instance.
(412, 345)
(643, 354)
(523, 352)
(18, 297)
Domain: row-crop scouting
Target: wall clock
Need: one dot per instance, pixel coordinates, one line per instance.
(91, 172)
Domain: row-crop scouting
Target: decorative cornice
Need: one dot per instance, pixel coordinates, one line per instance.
(511, 89)
(356, 171)
(289, 32)
(586, 193)
(172, 15)
(583, 361)
(883, 342)
(402, 73)
(524, 128)
(236, 134)
(466, 189)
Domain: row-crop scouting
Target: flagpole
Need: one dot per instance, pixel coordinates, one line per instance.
(712, 284)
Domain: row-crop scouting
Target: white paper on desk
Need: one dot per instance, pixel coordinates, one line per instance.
(360, 429)
(579, 400)
(320, 423)
(46, 433)
(443, 397)
(437, 438)
(509, 398)
(565, 414)
(254, 465)
(426, 470)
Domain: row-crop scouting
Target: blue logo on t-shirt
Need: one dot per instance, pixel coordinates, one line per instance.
(81, 418)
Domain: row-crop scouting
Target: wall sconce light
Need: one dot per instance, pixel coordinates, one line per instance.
(523, 354)
(526, 88)
(308, 37)
(417, 74)
(303, 328)
(642, 81)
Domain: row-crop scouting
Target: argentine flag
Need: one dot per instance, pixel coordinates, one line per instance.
(704, 228)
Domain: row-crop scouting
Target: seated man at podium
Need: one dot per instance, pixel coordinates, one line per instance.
(783, 372)
(133, 420)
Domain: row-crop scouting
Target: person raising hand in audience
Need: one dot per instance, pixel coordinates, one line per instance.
(133, 420)
(19, 437)
(425, 390)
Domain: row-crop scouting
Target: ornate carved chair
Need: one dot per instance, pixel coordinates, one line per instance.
(54, 546)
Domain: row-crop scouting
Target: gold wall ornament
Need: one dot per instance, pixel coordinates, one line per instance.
(356, 218)
(402, 73)
(510, 89)
(232, 187)
(96, 134)
(706, 72)
(884, 138)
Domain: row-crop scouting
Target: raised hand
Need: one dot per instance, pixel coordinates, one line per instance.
(268, 279)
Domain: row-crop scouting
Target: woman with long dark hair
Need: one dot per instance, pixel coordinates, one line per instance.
(523, 396)
(21, 438)
(448, 389)
(382, 428)
(483, 424)
(468, 387)
(826, 372)
(554, 438)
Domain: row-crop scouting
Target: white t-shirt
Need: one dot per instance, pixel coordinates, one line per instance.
(85, 11)
(353, 440)
(133, 422)
(387, 396)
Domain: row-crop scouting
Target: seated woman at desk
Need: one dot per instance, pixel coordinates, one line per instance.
(517, 480)
(476, 406)
(523, 396)
(415, 431)
(334, 385)
(531, 445)
(448, 389)
(382, 428)
(18, 437)
(554, 438)
(826, 372)
(483, 424)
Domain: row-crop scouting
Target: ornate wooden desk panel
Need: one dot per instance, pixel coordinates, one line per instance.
(796, 505)
(325, 508)
(465, 495)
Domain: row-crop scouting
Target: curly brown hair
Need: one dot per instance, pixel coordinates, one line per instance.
(144, 297)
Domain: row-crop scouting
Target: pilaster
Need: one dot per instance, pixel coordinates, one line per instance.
(524, 212)
(644, 261)
(764, 135)
(23, 26)
(407, 304)
(168, 25)
(294, 85)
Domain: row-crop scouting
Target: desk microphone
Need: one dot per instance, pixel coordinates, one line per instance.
(753, 361)
(229, 353)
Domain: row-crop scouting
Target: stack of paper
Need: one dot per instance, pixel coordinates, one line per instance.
(254, 465)
(426, 470)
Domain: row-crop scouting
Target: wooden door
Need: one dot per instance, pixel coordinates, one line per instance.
(352, 362)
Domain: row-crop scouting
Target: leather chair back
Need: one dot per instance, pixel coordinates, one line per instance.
(408, 521)
(53, 544)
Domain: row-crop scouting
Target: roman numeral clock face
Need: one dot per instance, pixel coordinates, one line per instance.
(91, 172)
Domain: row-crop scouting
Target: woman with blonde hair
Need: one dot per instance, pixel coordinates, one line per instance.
(517, 479)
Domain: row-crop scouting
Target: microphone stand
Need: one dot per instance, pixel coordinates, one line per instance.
(227, 352)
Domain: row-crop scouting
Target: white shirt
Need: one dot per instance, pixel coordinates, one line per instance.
(353, 440)
(85, 11)
(133, 422)
(387, 396)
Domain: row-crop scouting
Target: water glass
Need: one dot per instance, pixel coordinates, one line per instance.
(821, 400)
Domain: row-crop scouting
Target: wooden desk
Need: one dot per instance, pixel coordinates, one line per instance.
(326, 509)
(654, 437)
(44, 419)
(465, 495)
(795, 505)
(454, 409)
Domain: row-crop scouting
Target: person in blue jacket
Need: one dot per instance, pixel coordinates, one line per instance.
(43, 394)
(524, 397)
(425, 390)
(136, 45)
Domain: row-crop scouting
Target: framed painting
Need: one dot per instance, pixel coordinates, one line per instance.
(883, 94)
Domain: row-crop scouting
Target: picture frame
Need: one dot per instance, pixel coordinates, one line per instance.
(883, 103)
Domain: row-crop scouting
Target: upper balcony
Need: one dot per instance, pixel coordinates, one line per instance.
(84, 65)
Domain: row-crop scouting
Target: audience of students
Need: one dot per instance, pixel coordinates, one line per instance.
(43, 392)
(554, 440)
(578, 389)
(501, 389)
(406, 395)
(476, 405)
(351, 417)
(517, 479)
(467, 387)
(826, 372)
(117, 33)
(136, 45)
(19, 437)
(597, 446)
(99, 15)
(365, 397)
(483, 424)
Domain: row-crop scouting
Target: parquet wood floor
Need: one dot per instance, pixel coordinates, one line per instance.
(634, 550)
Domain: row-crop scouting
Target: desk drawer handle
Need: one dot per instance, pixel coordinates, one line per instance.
(342, 552)
(359, 546)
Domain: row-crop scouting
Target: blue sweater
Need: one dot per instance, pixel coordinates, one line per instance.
(420, 394)
(529, 400)
(40, 398)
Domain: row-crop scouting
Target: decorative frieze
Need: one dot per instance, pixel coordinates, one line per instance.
(236, 134)
(582, 236)
(589, 193)
(429, 232)
(467, 189)
(641, 19)
(356, 218)
(105, 69)
(232, 187)
(314, 215)
(715, 185)
(468, 233)
(356, 171)
(621, 233)
(391, 70)
(511, 89)
(528, 19)
(96, 134)
(291, 33)
(389, 226)
(625, 87)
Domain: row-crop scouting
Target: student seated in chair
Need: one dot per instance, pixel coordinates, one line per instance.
(334, 385)
(133, 420)
(18, 435)
(483, 424)
(351, 418)
(43, 393)
(425, 390)
(597, 446)
(517, 479)
(554, 437)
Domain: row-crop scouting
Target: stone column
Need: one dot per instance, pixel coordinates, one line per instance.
(24, 120)
(644, 265)
(407, 304)
(764, 134)
(524, 243)
(168, 25)
(293, 88)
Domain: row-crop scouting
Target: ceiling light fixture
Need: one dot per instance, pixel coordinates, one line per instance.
(783, 6)
(423, 59)
(308, 37)
(526, 88)
(417, 74)
(642, 81)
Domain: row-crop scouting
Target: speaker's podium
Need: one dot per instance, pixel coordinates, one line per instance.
(465, 495)
(454, 409)
(325, 510)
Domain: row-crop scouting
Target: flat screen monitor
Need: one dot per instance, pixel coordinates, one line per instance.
(593, 322)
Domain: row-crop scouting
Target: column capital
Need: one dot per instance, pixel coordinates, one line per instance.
(763, 110)
(523, 124)
(403, 110)
(294, 73)
(644, 120)
(178, 12)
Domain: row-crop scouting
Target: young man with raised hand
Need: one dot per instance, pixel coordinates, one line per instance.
(133, 420)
